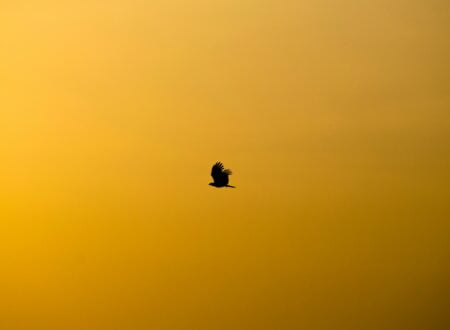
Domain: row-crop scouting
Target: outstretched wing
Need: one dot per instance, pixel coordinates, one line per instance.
(217, 171)
(220, 174)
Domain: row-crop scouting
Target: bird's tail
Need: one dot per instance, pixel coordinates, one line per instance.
(230, 186)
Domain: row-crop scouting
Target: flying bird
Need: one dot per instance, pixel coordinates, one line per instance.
(220, 176)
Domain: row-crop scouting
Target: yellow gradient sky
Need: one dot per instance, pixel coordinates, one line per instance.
(333, 115)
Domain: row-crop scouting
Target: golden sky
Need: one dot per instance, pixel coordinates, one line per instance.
(333, 115)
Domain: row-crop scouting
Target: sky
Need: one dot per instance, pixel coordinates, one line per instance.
(333, 115)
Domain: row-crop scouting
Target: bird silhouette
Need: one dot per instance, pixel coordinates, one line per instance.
(220, 176)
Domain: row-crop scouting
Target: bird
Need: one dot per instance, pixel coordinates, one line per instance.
(220, 176)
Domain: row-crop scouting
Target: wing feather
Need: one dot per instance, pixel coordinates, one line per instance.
(220, 174)
(217, 169)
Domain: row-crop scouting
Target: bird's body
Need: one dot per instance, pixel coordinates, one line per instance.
(220, 176)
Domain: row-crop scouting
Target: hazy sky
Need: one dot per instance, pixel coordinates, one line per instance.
(333, 115)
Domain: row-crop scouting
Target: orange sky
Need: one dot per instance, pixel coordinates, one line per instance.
(333, 116)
